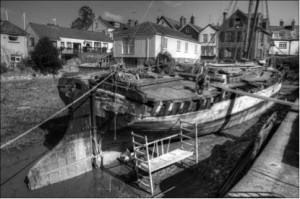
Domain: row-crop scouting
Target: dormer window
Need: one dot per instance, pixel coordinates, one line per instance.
(275, 34)
(188, 30)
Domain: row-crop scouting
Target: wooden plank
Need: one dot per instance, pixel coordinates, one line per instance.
(166, 159)
(239, 92)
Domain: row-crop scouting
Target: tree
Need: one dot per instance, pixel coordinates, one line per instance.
(85, 19)
(45, 57)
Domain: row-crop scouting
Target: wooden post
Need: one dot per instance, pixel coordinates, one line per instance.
(149, 167)
(96, 147)
(196, 132)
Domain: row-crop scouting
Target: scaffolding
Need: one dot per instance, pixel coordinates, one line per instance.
(155, 155)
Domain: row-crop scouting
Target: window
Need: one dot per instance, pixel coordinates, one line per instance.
(275, 34)
(69, 44)
(15, 58)
(229, 36)
(282, 45)
(237, 22)
(212, 36)
(188, 29)
(205, 39)
(228, 52)
(13, 38)
(178, 46)
(164, 42)
(117, 25)
(128, 46)
(62, 44)
(32, 42)
(96, 25)
(196, 48)
(186, 47)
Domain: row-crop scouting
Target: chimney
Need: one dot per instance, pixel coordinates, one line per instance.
(281, 22)
(130, 23)
(157, 19)
(293, 24)
(136, 23)
(224, 15)
(183, 20)
(192, 19)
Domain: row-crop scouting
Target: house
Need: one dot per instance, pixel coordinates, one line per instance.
(209, 39)
(145, 41)
(232, 37)
(13, 43)
(190, 28)
(285, 39)
(70, 42)
(109, 26)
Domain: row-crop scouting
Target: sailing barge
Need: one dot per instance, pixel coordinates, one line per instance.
(151, 102)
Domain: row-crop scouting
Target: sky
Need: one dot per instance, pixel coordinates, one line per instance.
(65, 12)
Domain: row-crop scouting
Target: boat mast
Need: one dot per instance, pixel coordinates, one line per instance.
(253, 29)
(248, 28)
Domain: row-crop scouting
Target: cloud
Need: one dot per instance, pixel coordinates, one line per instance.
(172, 3)
(112, 16)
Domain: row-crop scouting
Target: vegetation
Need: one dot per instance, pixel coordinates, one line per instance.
(45, 57)
(85, 19)
(25, 103)
(3, 68)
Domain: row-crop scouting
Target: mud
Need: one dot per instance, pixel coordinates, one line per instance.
(218, 155)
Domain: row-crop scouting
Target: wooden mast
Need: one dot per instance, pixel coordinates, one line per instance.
(248, 28)
(253, 29)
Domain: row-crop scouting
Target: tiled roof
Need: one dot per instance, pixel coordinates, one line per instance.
(149, 28)
(173, 23)
(11, 29)
(285, 32)
(55, 32)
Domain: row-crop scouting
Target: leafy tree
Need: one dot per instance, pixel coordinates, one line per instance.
(85, 19)
(45, 57)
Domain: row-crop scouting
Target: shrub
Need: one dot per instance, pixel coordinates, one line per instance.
(45, 57)
(3, 68)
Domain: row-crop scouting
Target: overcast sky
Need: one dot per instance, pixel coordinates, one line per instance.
(204, 11)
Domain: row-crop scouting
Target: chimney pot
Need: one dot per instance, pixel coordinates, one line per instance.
(281, 23)
(192, 20)
(224, 15)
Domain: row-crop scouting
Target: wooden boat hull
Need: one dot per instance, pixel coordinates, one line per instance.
(221, 115)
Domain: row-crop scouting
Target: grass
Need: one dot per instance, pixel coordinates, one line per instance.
(25, 103)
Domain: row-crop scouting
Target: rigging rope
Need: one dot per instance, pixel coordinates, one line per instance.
(52, 116)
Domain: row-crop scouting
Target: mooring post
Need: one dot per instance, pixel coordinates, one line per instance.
(95, 140)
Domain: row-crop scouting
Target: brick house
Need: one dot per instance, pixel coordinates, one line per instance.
(233, 34)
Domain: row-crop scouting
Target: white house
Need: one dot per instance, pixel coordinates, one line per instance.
(208, 38)
(144, 42)
(69, 41)
(285, 39)
(13, 43)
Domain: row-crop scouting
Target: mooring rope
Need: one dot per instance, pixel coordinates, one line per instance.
(52, 116)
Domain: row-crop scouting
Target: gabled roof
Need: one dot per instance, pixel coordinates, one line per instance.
(242, 14)
(198, 29)
(149, 28)
(56, 32)
(7, 27)
(172, 23)
(212, 26)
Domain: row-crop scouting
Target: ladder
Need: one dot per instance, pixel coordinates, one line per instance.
(150, 157)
